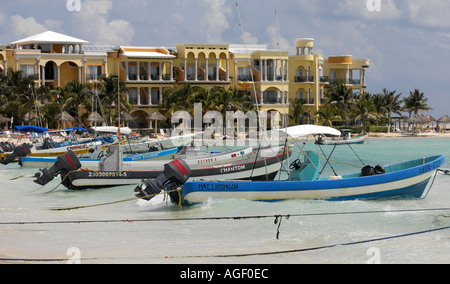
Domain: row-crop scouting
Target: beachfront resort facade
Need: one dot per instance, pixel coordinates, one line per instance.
(275, 79)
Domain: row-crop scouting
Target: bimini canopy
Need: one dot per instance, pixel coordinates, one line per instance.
(112, 130)
(29, 128)
(304, 131)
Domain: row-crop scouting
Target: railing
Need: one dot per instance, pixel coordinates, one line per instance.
(324, 79)
(307, 101)
(346, 81)
(304, 79)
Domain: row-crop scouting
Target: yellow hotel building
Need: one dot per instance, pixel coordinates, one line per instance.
(278, 78)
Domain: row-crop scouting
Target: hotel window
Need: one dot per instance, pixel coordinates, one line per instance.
(94, 72)
(155, 97)
(154, 72)
(244, 74)
(132, 71)
(299, 96)
(333, 76)
(133, 96)
(144, 97)
(28, 70)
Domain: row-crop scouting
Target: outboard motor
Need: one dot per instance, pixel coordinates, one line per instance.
(20, 151)
(175, 174)
(64, 164)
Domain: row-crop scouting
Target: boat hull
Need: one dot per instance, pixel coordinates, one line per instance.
(361, 139)
(247, 169)
(406, 183)
(47, 162)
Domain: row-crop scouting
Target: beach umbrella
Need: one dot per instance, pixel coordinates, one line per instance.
(125, 116)
(416, 119)
(29, 116)
(65, 116)
(4, 120)
(95, 118)
(445, 119)
(156, 116)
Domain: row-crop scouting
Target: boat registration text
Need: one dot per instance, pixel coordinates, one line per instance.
(218, 186)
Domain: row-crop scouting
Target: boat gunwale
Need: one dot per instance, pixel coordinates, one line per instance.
(357, 181)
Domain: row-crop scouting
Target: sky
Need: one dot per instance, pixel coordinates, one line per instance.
(407, 41)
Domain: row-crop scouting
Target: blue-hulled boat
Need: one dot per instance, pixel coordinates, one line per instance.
(403, 180)
(46, 162)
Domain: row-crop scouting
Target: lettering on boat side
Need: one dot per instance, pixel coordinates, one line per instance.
(77, 147)
(218, 186)
(232, 169)
(430, 167)
(107, 174)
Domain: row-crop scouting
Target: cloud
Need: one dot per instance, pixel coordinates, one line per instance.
(93, 21)
(216, 20)
(277, 40)
(429, 14)
(25, 27)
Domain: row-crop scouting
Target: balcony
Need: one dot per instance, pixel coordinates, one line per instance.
(306, 101)
(346, 81)
(273, 97)
(304, 79)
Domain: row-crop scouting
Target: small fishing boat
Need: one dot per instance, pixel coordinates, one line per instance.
(96, 156)
(154, 150)
(403, 180)
(246, 163)
(345, 139)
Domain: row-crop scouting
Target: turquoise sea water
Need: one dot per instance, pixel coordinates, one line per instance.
(158, 232)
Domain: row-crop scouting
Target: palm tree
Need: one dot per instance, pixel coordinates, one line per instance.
(109, 88)
(79, 95)
(392, 104)
(416, 102)
(363, 109)
(341, 97)
(207, 99)
(298, 112)
(327, 114)
(176, 99)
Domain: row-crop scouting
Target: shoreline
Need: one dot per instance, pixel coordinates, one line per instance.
(410, 135)
(371, 135)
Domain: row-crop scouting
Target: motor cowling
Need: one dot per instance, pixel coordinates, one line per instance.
(175, 174)
(19, 152)
(64, 164)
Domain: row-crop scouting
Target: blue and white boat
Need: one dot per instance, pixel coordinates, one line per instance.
(402, 180)
(46, 162)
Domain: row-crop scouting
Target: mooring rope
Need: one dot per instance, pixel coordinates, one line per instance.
(300, 250)
(315, 248)
(277, 216)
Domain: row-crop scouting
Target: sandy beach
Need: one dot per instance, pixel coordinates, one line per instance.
(371, 135)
